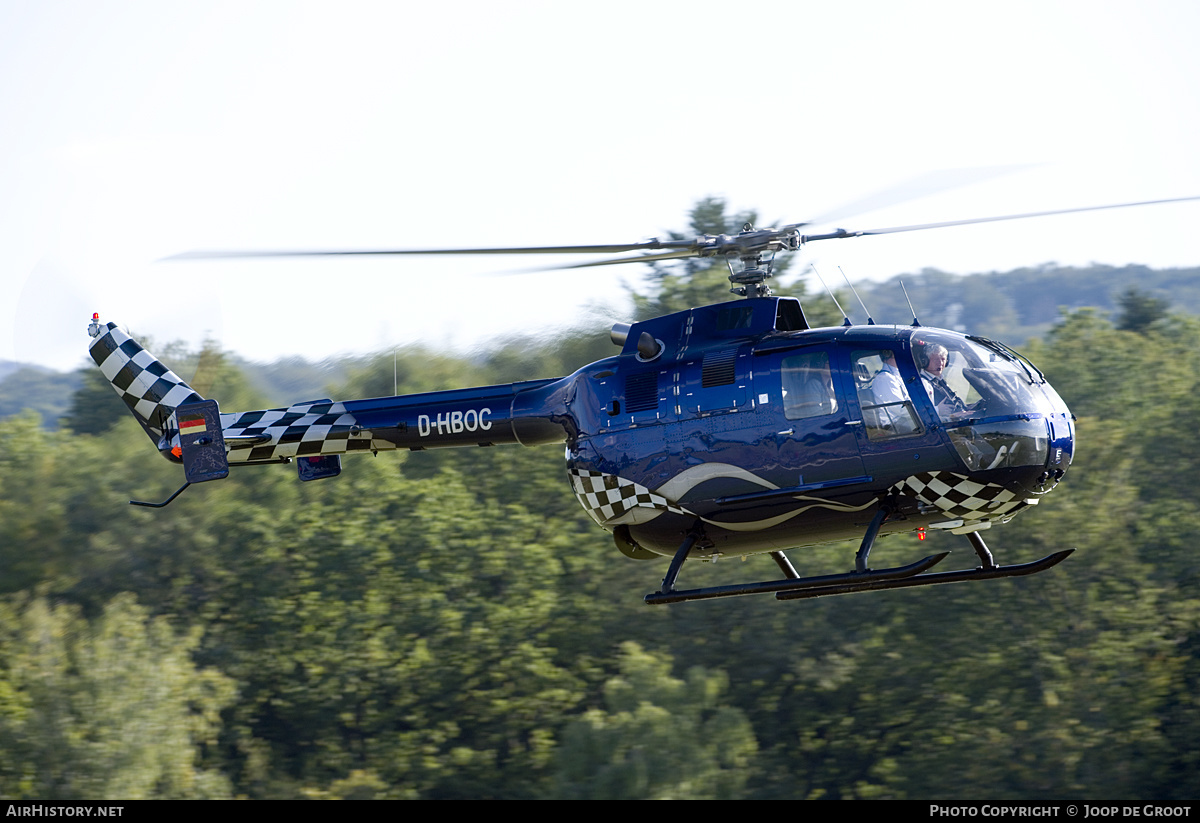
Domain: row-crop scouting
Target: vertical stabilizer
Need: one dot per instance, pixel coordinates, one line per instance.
(150, 390)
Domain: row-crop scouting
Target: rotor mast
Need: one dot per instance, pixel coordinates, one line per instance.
(749, 246)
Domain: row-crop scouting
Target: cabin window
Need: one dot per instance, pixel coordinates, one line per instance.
(887, 409)
(808, 386)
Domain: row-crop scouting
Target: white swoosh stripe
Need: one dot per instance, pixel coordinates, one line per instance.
(690, 478)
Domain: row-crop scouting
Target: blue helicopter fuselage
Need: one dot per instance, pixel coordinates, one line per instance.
(771, 435)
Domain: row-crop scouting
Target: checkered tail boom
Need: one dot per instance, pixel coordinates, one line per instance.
(150, 390)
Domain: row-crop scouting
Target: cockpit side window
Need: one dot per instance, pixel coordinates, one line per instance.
(994, 408)
(945, 368)
(887, 409)
(808, 386)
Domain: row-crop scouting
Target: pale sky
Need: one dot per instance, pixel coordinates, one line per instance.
(134, 131)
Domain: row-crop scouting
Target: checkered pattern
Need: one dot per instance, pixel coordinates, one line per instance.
(150, 390)
(959, 496)
(153, 393)
(306, 429)
(612, 501)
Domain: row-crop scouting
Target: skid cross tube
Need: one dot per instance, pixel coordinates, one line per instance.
(868, 541)
(785, 565)
(681, 554)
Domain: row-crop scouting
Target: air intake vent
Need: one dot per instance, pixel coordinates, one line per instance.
(641, 391)
(718, 368)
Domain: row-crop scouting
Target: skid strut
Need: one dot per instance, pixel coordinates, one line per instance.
(681, 555)
(862, 579)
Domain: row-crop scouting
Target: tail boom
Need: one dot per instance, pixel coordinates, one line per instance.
(515, 413)
(525, 413)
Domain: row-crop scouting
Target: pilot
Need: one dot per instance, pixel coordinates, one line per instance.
(932, 360)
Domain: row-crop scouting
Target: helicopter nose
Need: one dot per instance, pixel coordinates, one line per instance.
(1062, 446)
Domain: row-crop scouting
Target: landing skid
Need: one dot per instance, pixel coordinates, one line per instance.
(1019, 570)
(862, 579)
(797, 585)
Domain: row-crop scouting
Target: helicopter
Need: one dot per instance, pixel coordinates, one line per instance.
(725, 430)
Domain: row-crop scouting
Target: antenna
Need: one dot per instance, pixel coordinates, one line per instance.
(847, 322)
(870, 319)
(910, 306)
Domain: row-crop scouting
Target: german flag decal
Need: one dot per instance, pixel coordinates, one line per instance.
(192, 424)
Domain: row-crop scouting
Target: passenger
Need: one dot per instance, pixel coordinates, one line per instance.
(887, 387)
(890, 398)
(808, 389)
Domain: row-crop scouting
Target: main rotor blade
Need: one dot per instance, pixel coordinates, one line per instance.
(667, 249)
(914, 188)
(603, 249)
(840, 233)
(641, 258)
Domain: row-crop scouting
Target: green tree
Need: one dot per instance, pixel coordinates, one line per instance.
(1139, 310)
(657, 737)
(95, 407)
(112, 708)
(46, 392)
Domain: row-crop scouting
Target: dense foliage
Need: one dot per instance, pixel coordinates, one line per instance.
(450, 624)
